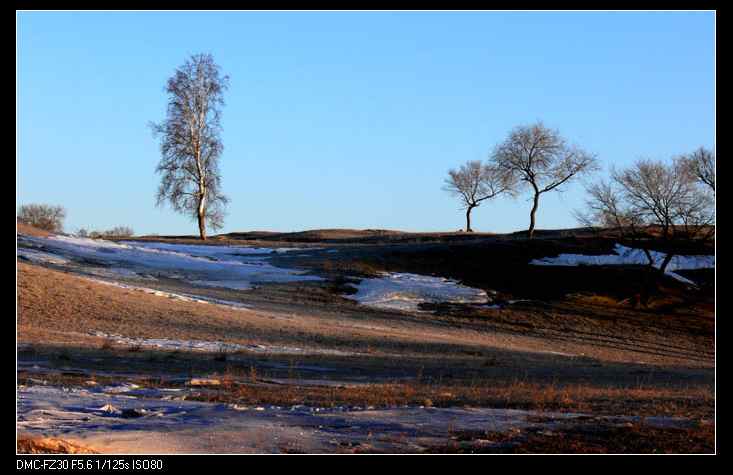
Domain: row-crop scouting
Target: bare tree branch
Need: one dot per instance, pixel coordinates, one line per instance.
(701, 164)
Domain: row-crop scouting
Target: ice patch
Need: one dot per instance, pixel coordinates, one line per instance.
(629, 256)
(175, 296)
(117, 272)
(228, 428)
(401, 291)
(40, 256)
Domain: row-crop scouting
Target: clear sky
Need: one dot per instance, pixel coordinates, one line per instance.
(346, 119)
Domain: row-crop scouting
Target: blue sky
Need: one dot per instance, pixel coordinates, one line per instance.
(346, 119)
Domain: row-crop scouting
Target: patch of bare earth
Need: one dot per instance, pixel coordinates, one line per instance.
(56, 307)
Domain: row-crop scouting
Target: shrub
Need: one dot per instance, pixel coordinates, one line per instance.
(119, 231)
(42, 216)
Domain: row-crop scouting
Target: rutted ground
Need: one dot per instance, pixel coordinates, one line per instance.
(296, 332)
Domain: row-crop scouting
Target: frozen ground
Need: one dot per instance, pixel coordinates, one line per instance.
(401, 291)
(172, 295)
(205, 250)
(629, 256)
(216, 266)
(127, 418)
(276, 330)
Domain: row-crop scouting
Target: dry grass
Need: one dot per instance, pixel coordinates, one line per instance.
(49, 445)
(693, 402)
(590, 438)
(23, 228)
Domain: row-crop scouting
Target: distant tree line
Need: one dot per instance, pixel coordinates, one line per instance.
(116, 232)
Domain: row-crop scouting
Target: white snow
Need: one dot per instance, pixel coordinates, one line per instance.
(222, 266)
(629, 256)
(402, 291)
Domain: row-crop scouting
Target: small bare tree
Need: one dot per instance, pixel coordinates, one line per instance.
(475, 182)
(701, 164)
(651, 195)
(42, 216)
(542, 160)
(190, 144)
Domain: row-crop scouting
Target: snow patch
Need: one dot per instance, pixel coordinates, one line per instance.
(629, 256)
(212, 346)
(222, 266)
(402, 291)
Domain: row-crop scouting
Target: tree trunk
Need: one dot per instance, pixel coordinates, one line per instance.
(202, 218)
(202, 227)
(202, 193)
(535, 204)
(665, 262)
(468, 219)
(649, 259)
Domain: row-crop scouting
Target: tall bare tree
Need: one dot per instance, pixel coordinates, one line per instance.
(190, 143)
(652, 195)
(701, 164)
(475, 182)
(542, 160)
